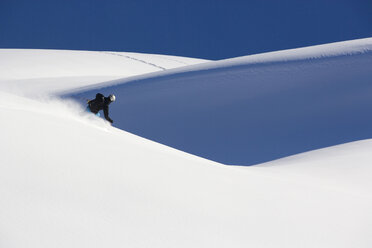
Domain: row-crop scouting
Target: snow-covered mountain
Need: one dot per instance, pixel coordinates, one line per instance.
(256, 108)
(69, 179)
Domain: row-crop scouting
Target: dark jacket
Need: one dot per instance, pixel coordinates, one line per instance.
(100, 103)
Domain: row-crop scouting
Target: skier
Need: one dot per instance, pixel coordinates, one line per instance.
(101, 103)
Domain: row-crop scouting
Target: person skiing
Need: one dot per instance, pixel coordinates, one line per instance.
(101, 103)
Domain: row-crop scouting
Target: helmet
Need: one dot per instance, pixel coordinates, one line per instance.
(112, 97)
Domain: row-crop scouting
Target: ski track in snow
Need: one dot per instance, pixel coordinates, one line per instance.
(135, 59)
(172, 59)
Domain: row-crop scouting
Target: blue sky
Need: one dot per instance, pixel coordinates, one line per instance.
(211, 29)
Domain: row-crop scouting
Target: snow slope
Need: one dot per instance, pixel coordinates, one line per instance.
(252, 109)
(35, 71)
(68, 179)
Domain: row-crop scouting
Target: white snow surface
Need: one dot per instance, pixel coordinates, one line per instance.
(36, 71)
(252, 109)
(69, 179)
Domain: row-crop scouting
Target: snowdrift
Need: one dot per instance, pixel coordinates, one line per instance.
(72, 180)
(68, 179)
(39, 72)
(252, 109)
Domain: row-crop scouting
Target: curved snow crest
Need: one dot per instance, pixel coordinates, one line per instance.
(37, 71)
(311, 53)
(336, 49)
(339, 165)
(253, 109)
(44, 63)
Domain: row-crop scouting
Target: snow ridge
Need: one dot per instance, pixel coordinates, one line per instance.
(252, 109)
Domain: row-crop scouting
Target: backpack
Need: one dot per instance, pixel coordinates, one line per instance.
(100, 97)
